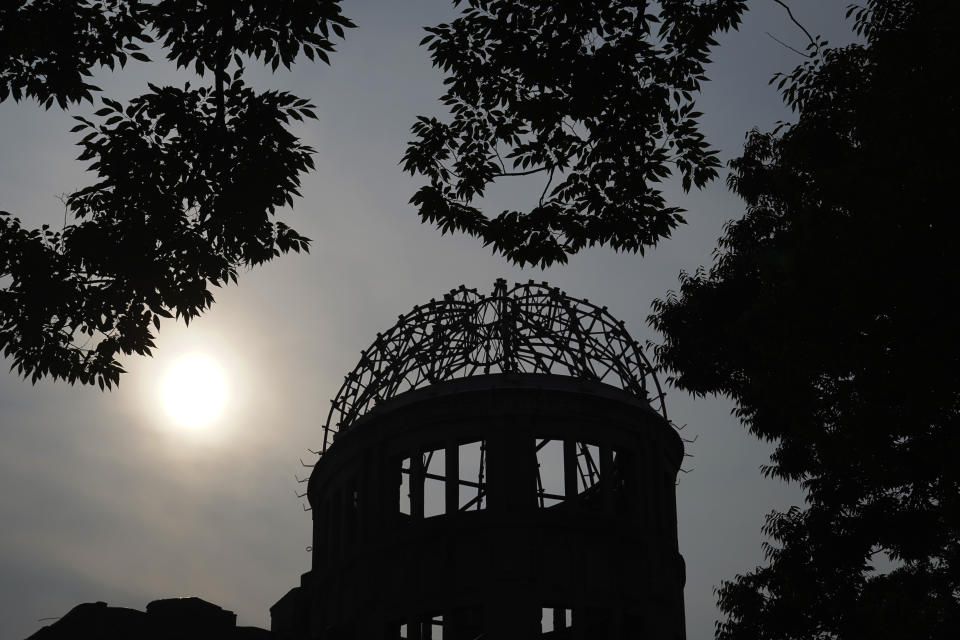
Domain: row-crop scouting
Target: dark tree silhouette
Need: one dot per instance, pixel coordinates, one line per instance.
(828, 317)
(596, 96)
(189, 178)
(49, 47)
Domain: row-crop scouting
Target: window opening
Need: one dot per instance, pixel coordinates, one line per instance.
(326, 545)
(595, 622)
(549, 473)
(464, 623)
(555, 619)
(336, 523)
(405, 487)
(469, 487)
(472, 464)
(351, 514)
(588, 470)
(434, 483)
(623, 483)
(582, 465)
(432, 628)
(425, 628)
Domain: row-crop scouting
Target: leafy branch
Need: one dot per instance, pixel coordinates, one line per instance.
(519, 73)
(188, 179)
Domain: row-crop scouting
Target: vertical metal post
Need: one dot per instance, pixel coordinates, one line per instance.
(569, 469)
(559, 619)
(606, 477)
(416, 486)
(452, 473)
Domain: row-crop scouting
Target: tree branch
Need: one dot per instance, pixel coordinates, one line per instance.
(519, 173)
(549, 182)
(796, 22)
(497, 151)
(781, 42)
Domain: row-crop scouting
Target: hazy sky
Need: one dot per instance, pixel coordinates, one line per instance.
(103, 498)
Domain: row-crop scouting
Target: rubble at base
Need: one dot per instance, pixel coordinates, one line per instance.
(182, 618)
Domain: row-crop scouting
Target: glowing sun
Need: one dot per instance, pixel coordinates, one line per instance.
(195, 390)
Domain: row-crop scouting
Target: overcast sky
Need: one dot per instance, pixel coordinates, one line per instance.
(103, 498)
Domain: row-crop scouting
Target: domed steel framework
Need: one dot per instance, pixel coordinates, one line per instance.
(530, 328)
(503, 468)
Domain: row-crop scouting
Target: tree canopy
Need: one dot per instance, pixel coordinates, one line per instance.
(597, 96)
(828, 318)
(189, 178)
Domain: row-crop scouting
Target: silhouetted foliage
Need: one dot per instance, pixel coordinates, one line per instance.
(597, 96)
(189, 178)
(49, 47)
(828, 317)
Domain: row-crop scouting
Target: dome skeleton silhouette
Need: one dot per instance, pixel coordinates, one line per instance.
(508, 465)
(530, 328)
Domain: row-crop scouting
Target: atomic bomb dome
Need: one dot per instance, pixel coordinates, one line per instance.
(495, 467)
(529, 328)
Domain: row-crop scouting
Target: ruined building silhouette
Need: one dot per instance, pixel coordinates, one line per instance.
(180, 618)
(496, 467)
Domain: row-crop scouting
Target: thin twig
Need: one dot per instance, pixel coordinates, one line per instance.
(497, 151)
(519, 173)
(546, 187)
(797, 22)
(805, 55)
(570, 126)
